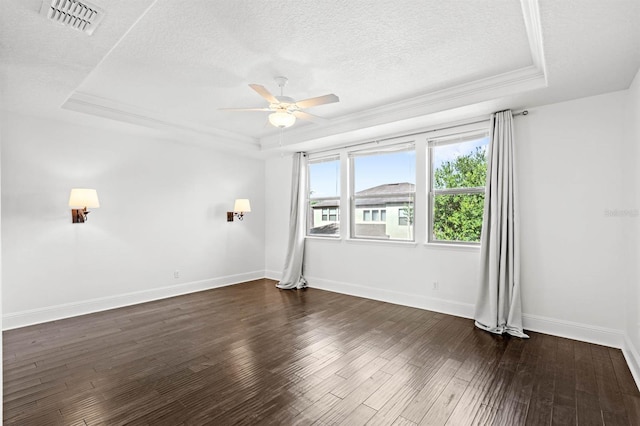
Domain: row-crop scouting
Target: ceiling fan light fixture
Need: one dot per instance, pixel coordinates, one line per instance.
(282, 119)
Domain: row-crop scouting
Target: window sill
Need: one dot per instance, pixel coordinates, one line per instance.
(327, 238)
(381, 242)
(453, 246)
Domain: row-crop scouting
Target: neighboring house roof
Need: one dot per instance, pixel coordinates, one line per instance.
(393, 193)
(329, 229)
(324, 203)
(388, 189)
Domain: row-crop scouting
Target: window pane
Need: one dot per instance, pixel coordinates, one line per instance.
(384, 181)
(324, 197)
(458, 169)
(458, 217)
(402, 217)
(460, 165)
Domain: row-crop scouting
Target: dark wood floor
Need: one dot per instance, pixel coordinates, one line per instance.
(252, 354)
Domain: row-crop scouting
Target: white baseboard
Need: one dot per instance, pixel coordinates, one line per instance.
(552, 326)
(431, 304)
(52, 313)
(633, 359)
(573, 330)
(273, 275)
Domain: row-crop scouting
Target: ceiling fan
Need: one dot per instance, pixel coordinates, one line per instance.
(284, 110)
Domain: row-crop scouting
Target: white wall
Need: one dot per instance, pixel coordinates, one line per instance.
(278, 172)
(163, 208)
(571, 170)
(633, 290)
(574, 277)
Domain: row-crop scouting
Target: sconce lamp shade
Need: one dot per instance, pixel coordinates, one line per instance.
(83, 197)
(282, 119)
(242, 205)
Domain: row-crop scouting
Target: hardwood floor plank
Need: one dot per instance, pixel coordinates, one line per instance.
(585, 372)
(364, 374)
(633, 408)
(401, 421)
(395, 405)
(340, 411)
(624, 378)
(317, 410)
(253, 354)
(588, 409)
(393, 385)
(513, 414)
(564, 398)
(470, 404)
(432, 389)
(541, 405)
(442, 408)
(609, 394)
(360, 416)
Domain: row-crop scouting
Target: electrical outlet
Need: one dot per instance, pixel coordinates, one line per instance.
(436, 285)
(176, 274)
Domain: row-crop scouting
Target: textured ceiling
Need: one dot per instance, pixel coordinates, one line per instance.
(172, 64)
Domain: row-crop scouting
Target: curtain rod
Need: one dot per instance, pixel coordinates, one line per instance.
(523, 112)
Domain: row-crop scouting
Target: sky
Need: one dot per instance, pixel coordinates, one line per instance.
(324, 179)
(374, 170)
(450, 152)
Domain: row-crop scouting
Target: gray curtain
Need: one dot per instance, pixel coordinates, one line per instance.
(292, 274)
(498, 308)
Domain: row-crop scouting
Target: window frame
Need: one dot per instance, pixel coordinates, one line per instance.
(433, 192)
(422, 213)
(400, 146)
(309, 199)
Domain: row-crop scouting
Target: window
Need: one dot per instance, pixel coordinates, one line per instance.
(403, 217)
(330, 215)
(458, 172)
(323, 215)
(380, 184)
(384, 184)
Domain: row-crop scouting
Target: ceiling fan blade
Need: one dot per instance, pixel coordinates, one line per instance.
(245, 109)
(264, 93)
(320, 100)
(310, 117)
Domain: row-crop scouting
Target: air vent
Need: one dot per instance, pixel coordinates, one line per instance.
(82, 16)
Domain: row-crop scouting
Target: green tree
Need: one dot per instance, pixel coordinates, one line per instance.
(458, 217)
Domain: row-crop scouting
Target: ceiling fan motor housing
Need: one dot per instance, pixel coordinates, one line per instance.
(284, 102)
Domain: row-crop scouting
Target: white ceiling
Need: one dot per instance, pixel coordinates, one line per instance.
(171, 65)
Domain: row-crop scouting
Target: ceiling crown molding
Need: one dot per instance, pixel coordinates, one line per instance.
(531, 15)
(509, 83)
(108, 108)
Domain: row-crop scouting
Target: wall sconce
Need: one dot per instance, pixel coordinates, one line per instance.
(79, 200)
(240, 207)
